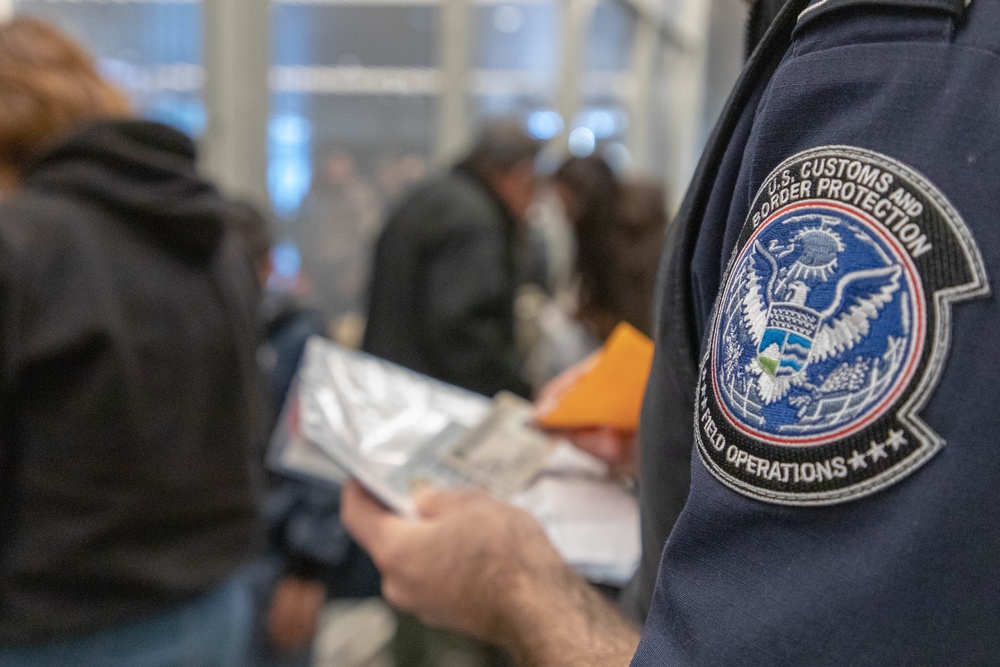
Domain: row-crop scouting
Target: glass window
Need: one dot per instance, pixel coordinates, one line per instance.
(356, 89)
(152, 49)
(602, 123)
(516, 36)
(354, 109)
(515, 53)
(372, 35)
(609, 38)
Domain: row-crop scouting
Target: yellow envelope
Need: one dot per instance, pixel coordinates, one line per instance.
(608, 393)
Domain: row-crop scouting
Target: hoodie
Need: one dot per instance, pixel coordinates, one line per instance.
(130, 412)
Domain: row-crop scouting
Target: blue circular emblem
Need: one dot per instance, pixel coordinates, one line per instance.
(832, 329)
(819, 328)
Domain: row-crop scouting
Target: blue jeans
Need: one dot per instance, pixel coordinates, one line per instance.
(211, 631)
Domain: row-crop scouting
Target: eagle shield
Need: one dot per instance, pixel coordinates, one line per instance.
(788, 338)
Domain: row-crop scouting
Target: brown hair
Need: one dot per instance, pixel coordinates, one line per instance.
(49, 85)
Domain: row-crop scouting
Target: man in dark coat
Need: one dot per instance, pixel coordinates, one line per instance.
(446, 266)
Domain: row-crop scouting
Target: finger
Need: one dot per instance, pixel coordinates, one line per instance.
(432, 503)
(607, 444)
(314, 595)
(548, 397)
(368, 521)
(288, 632)
(602, 443)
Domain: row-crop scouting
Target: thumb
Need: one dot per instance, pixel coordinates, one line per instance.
(367, 520)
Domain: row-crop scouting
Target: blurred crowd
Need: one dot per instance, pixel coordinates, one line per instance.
(148, 348)
(585, 251)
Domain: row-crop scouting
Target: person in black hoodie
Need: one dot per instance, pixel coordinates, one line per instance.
(129, 405)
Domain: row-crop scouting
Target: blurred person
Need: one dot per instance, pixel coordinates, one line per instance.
(606, 236)
(619, 229)
(285, 322)
(340, 223)
(627, 286)
(445, 274)
(590, 193)
(394, 175)
(842, 507)
(310, 558)
(446, 268)
(130, 410)
(549, 337)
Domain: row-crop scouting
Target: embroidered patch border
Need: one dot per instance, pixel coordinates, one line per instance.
(832, 329)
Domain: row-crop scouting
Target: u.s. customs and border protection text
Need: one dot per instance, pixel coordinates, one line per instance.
(832, 328)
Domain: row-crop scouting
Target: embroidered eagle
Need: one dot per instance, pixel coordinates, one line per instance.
(791, 330)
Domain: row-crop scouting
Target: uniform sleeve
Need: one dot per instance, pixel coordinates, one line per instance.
(811, 536)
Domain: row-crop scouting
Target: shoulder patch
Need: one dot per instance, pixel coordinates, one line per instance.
(832, 329)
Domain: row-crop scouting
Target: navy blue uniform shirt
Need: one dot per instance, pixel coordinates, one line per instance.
(826, 318)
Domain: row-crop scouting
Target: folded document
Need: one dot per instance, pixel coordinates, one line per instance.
(394, 430)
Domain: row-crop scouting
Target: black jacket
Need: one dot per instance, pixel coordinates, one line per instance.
(443, 284)
(128, 399)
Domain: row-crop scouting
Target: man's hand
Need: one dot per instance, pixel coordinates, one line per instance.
(616, 448)
(473, 564)
(460, 565)
(294, 614)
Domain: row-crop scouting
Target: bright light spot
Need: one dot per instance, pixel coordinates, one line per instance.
(289, 172)
(118, 70)
(618, 157)
(395, 85)
(582, 142)
(600, 121)
(604, 123)
(288, 180)
(188, 117)
(544, 125)
(294, 130)
(286, 259)
(508, 18)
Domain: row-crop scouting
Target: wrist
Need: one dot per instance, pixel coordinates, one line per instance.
(532, 589)
(528, 608)
(551, 616)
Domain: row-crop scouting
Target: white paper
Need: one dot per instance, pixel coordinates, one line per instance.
(591, 520)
